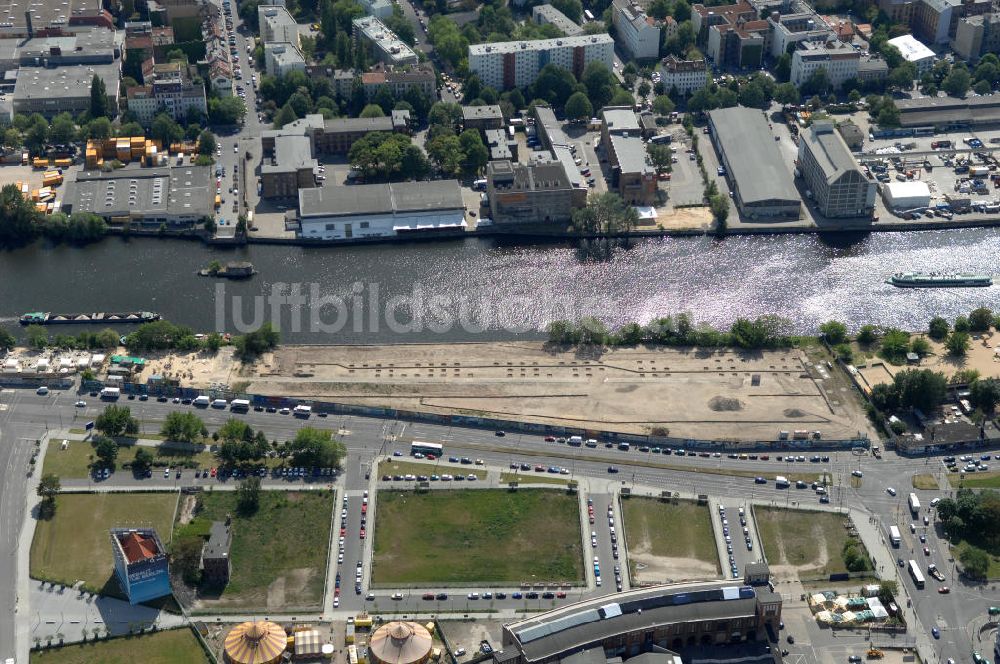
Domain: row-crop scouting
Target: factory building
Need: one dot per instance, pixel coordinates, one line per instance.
(838, 185)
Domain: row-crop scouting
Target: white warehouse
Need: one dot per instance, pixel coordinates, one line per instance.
(906, 195)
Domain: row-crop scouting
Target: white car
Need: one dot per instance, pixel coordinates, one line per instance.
(336, 602)
(80, 404)
(890, 491)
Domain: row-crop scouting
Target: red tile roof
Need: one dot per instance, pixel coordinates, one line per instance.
(137, 547)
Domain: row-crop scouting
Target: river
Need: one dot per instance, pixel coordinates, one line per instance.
(481, 289)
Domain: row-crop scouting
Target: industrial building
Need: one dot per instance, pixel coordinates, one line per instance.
(291, 167)
(380, 210)
(482, 117)
(915, 52)
(949, 112)
(911, 195)
(515, 64)
(838, 59)
(51, 91)
(548, 15)
(759, 179)
(976, 36)
(655, 619)
(685, 76)
(87, 46)
(500, 145)
(140, 564)
(383, 43)
(537, 193)
(179, 196)
(632, 175)
(638, 33)
(838, 185)
(335, 135)
(37, 17)
(732, 35)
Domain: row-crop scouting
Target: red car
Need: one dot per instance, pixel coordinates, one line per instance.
(364, 509)
(213, 472)
(561, 595)
(336, 592)
(944, 590)
(362, 533)
(927, 551)
(343, 532)
(431, 457)
(428, 595)
(550, 439)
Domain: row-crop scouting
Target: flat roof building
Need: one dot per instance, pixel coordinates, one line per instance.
(759, 179)
(788, 29)
(548, 15)
(632, 174)
(838, 185)
(380, 210)
(685, 76)
(215, 566)
(733, 35)
(67, 15)
(291, 168)
(976, 36)
(949, 112)
(500, 145)
(384, 44)
(66, 88)
(515, 64)
(277, 25)
(915, 52)
(539, 193)
(399, 81)
(282, 58)
(482, 117)
(638, 33)
(838, 59)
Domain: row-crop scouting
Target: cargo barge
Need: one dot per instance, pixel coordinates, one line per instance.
(47, 318)
(939, 280)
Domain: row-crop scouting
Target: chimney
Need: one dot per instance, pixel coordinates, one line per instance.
(27, 20)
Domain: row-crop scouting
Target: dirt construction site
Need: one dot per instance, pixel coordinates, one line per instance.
(719, 394)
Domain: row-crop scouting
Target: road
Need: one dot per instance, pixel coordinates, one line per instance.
(25, 416)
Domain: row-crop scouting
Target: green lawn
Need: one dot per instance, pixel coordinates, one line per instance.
(74, 461)
(532, 478)
(177, 646)
(485, 536)
(811, 541)
(279, 553)
(393, 467)
(676, 529)
(994, 571)
(925, 481)
(987, 480)
(75, 545)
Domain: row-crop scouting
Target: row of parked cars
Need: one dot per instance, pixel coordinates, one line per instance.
(429, 478)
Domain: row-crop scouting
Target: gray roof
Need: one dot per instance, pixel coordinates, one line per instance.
(284, 54)
(219, 539)
(45, 14)
(391, 198)
(829, 150)
(754, 160)
(540, 44)
(176, 191)
(940, 110)
(302, 127)
(291, 153)
(551, 15)
(66, 81)
(490, 112)
(512, 176)
(591, 622)
(631, 154)
(334, 125)
(619, 119)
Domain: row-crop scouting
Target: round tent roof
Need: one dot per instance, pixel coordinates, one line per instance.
(400, 643)
(259, 642)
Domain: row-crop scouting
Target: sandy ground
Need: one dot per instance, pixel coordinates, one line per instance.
(684, 218)
(983, 356)
(651, 569)
(196, 369)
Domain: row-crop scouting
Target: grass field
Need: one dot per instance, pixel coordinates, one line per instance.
(994, 571)
(988, 480)
(925, 481)
(278, 554)
(73, 462)
(532, 478)
(393, 467)
(74, 545)
(485, 536)
(177, 646)
(811, 542)
(676, 529)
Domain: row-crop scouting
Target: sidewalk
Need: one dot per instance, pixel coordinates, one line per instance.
(22, 610)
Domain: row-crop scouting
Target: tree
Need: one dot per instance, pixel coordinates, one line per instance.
(98, 98)
(663, 105)
(980, 319)
(868, 334)
(938, 328)
(142, 461)
(314, 448)
(475, 155)
(957, 343)
(254, 343)
(36, 336)
(895, 345)
(166, 130)
(372, 111)
(63, 129)
(783, 68)
(285, 116)
(446, 153)
(97, 128)
(17, 216)
(659, 155)
(958, 81)
(207, 143)
(49, 487)
(834, 332)
(920, 346)
(571, 8)
(903, 76)
(975, 562)
(185, 558)
(555, 84)
(719, 205)
(7, 340)
(182, 426)
(605, 214)
(818, 82)
(920, 388)
(887, 590)
(578, 107)
(226, 110)
(962, 324)
(116, 421)
(248, 495)
(985, 394)
(106, 450)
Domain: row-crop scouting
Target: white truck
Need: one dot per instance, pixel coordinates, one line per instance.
(111, 393)
(914, 504)
(894, 536)
(781, 482)
(202, 401)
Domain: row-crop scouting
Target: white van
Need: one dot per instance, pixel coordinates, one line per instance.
(302, 411)
(201, 400)
(219, 403)
(575, 441)
(111, 393)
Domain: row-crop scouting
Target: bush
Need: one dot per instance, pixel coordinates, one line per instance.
(834, 332)
(938, 329)
(980, 320)
(958, 343)
(868, 334)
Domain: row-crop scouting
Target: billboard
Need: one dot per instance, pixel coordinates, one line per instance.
(140, 563)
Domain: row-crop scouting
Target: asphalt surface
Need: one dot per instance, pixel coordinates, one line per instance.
(25, 416)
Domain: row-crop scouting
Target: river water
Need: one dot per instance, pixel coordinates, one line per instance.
(482, 289)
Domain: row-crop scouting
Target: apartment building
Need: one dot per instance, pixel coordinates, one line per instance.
(539, 193)
(936, 21)
(632, 176)
(169, 89)
(383, 43)
(282, 58)
(838, 59)
(277, 25)
(732, 35)
(482, 117)
(505, 65)
(914, 51)
(789, 29)
(381, 9)
(976, 36)
(685, 76)
(336, 135)
(837, 184)
(638, 34)
(399, 81)
(548, 15)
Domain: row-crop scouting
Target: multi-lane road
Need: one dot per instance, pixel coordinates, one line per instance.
(26, 416)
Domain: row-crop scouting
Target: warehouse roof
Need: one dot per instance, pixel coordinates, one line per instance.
(829, 150)
(486, 112)
(620, 118)
(911, 49)
(380, 198)
(756, 164)
(66, 81)
(291, 153)
(630, 152)
(949, 110)
(178, 191)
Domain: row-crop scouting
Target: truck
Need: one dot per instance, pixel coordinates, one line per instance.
(202, 400)
(240, 405)
(914, 504)
(979, 171)
(302, 411)
(781, 482)
(111, 393)
(894, 536)
(940, 144)
(935, 572)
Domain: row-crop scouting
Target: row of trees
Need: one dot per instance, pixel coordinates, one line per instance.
(679, 330)
(164, 335)
(21, 222)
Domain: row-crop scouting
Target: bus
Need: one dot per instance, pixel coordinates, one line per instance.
(918, 578)
(239, 405)
(894, 536)
(589, 15)
(427, 449)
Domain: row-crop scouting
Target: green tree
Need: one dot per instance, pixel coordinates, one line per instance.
(116, 421)
(920, 346)
(313, 448)
(36, 336)
(474, 153)
(957, 343)
(99, 128)
(284, 116)
(255, 343)
(868, 334)
(980, 319)
(920, 388)
(834, 332)
(372, 111)
(142, 461)
(958, 81)
(895, 345)
(63, 129)
(962, 324)
(182, 426)
(938, 328)
(213, 342)
(99, 106)
(248, 495)
(985, 394)
(106, 451)
(166, 130)
(783, 70)
(887, 590)
(226, 110)
(719, 205)
(7, 339)
(605, 214)
(663, 105)
(660, 156)
(571, 8)
(578, 107)
(49, 487)
(446, 153)
(975, 562)
(17, 216)
(207, 143)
